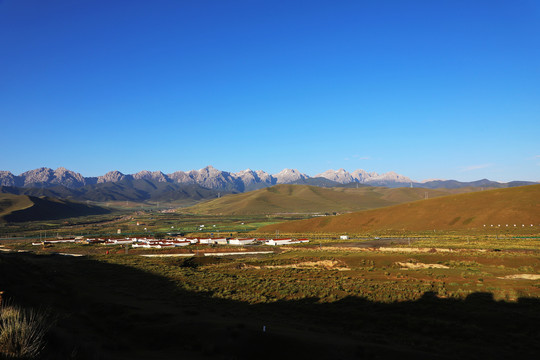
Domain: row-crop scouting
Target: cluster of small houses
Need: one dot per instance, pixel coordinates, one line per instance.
(178, 242)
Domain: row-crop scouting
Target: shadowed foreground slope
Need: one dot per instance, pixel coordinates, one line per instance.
(109, 311)
(520, 205)
(20, 208)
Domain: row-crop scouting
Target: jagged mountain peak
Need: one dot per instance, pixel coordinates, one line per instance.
(208, 177)
(289, 176)
(211, 178)
(44, 176)
(111, 176)
(341, 176)
(8, 179)
(151, 175)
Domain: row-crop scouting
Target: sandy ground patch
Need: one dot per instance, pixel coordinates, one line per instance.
(388, 249)
(325, 264)
(521, 277)
(414, 250)
(409, 265)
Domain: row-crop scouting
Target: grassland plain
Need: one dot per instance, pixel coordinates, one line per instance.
(312, 199)
(501, 208)
(313, 302)
(450, 294)
(141, 224)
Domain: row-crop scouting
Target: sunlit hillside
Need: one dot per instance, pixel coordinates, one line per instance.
(311, 199)
(519, 206)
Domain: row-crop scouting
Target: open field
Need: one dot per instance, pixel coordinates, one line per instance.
(448, 293)
(325, 302)
(141, 223)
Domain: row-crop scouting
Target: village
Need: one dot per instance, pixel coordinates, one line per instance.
(154, 243)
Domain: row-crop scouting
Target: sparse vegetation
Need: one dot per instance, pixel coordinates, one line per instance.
(418, 284)
(22, 332)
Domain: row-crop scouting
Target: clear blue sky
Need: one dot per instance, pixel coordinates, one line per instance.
(429, 89)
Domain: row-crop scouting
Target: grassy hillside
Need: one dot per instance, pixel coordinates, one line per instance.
(19, 208)
(309, 199)
(520, 205)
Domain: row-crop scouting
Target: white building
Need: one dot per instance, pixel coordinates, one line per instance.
(277, 242)
(241, 241)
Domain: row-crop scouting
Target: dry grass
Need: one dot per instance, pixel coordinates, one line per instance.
(519, 205)
(22, 332)
(310, 199)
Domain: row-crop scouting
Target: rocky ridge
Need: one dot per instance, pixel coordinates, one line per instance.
(208, 177)
(212, 178)
(361, 176)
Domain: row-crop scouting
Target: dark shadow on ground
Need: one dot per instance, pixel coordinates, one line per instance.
(106, 311)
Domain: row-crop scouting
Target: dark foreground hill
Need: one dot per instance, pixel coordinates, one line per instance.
(311, 199)
(20, 208)
(519, 205)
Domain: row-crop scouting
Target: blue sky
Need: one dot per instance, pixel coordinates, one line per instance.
(429, 89)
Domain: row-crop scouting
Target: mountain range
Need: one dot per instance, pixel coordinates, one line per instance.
(222, 181)
(208, 177)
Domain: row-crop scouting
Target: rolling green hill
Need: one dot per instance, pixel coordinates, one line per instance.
(519, 205)
(309, 199)
(20, 208)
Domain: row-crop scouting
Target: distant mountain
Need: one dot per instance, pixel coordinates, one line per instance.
(112, 176)
(318, 181)
(344, 177)
(287, 176)
(246, 180)
(127, 189)
(340, 176)
(19, 208)
(453, 184)
(253, 180)
(8, 179)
